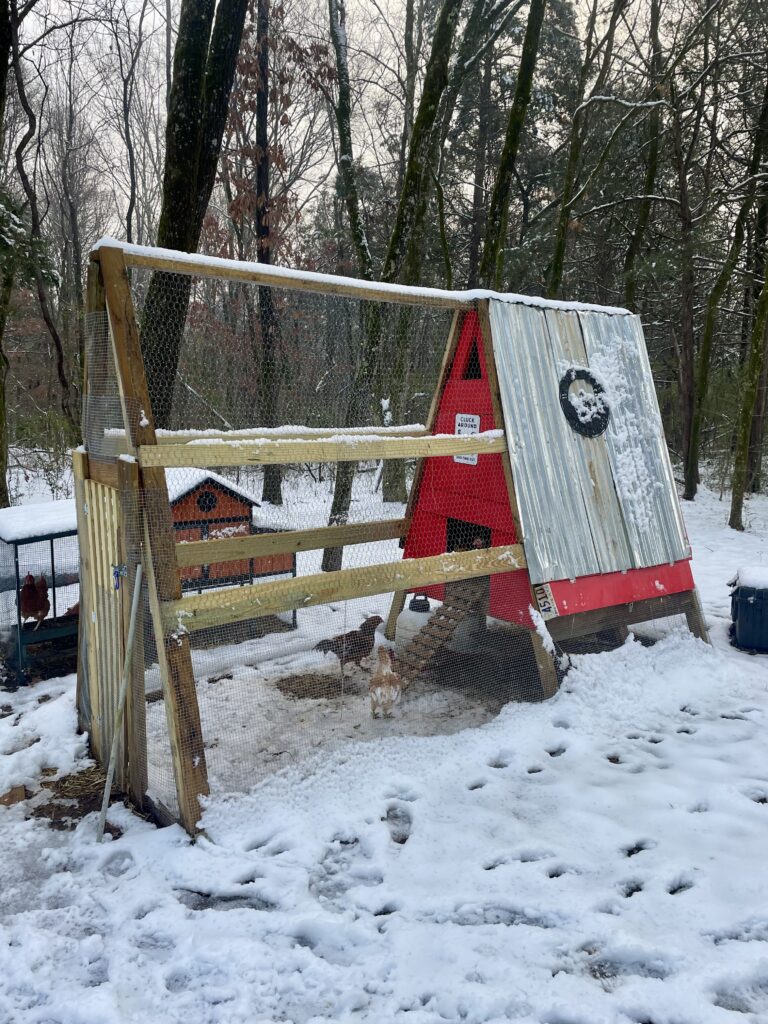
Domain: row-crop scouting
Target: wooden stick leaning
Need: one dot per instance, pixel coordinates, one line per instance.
(120, 709)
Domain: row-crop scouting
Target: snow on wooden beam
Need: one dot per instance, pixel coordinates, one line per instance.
(338, 448)
(120, 445)
(201, 265)
(238, 604)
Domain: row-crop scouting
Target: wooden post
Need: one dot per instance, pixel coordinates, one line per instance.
(135, 782)
(544, 661)
(694, 616)
(182, 711)
(398, 598)
(82, 701)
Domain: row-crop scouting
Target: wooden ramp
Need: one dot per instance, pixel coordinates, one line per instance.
(462, 600)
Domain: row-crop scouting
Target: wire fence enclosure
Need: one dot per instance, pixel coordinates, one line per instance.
(318, 478)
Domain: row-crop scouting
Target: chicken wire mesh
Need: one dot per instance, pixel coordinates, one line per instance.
(39, 605)
(309, 675)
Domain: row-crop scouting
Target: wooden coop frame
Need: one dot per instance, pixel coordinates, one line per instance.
(118, 498)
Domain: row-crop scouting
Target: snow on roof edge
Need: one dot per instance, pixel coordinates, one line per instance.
(181, 482)
(285, 276)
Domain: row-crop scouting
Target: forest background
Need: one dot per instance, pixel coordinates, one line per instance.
(608, 151)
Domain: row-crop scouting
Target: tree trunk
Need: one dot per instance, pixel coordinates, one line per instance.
(750, 386)
(721, 283)
(6, 288)
(578, 137)
(403, 259)
(6, 51)
(496, 227)
(270, 324)
(71, 414)
(203, 71)
(402, 248)
(479, 198)
(687, 342)
(651, 168)
(754, 468)
(337, 17)
(414, 193)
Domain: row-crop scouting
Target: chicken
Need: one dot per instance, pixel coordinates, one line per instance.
(352, 646)
(385, 686)
(33, 599)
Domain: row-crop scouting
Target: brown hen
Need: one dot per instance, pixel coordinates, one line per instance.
(352, 646)
(33, 599)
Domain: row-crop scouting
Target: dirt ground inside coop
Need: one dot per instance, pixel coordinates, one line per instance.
(261, 716)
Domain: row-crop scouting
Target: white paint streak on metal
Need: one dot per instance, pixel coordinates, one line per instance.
(635, 436)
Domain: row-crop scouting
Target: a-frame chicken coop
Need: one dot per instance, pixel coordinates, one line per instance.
(541, 493)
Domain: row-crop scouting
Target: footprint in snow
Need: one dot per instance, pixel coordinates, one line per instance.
(628, 889)
(118, 864)
(638, 847)
(399, 823)
(499, 762)
(750, 995)
(558, 870)
(493, 864)
(680, 884)
(476, 784)
(530, 855)
(557, 751)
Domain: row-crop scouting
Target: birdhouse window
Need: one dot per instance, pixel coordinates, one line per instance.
(472, 369)
(207, 501)
(463, 536)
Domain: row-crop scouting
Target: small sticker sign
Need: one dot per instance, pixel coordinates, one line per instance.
(545, 601)
(466, 423)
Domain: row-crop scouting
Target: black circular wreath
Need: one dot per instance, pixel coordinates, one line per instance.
(590, 414)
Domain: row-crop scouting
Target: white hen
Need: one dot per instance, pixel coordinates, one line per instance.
(385, 686)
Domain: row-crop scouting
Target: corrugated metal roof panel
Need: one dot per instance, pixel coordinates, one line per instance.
(556, 529)
(587, 504)
(590, 455)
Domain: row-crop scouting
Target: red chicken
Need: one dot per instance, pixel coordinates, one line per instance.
(33, 599)
(352, 646)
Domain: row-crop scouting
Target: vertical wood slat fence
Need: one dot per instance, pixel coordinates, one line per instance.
(99, 516)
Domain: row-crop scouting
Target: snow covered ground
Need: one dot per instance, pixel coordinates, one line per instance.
(597, 858)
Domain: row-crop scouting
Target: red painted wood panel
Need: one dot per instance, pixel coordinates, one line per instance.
(604, 591)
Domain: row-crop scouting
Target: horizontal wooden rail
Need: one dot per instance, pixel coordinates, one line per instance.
(295, 280)
(351, 449)
(120, 446)
(292, 434)
(261, 545)
(237, 604)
